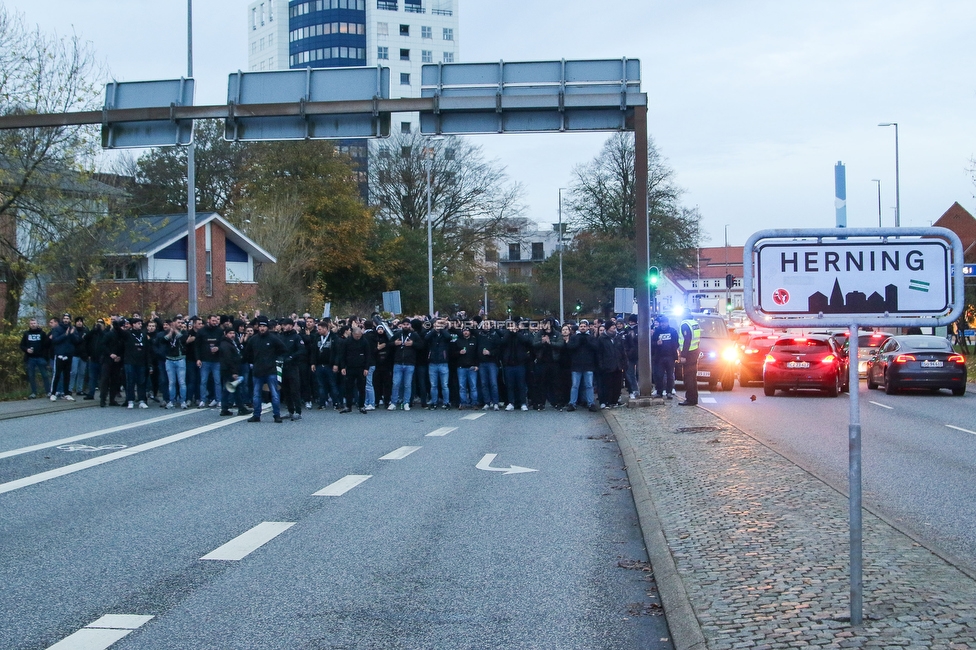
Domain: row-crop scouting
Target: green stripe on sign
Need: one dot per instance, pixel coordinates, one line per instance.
(918, 285)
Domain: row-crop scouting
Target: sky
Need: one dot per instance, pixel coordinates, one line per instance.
(752, 102)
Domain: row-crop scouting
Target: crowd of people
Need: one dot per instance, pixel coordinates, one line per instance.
(300, 363)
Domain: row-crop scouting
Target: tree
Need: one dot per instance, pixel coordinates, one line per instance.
(43, 195)
(471, 203)
(161, 174)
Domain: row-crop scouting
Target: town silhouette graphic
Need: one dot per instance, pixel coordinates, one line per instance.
(855, 302)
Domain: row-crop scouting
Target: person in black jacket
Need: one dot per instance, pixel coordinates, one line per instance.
(230, 362)
(438, 342)
(208, 360)
(35, 345)
(466, 352)
(405, 346)
(93, 351)
(582, 347)
(664, 352)
(262, 352)
(112, 351)
(321, 357)
(514, 350)
(488, 365)
(63, 349)
(296, 355)
(354, 363)
(136, 359)
(79, 359)
(547, 348)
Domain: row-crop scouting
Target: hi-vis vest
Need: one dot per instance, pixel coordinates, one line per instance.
(695, 335)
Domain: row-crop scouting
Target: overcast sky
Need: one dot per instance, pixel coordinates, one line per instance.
(751, 102)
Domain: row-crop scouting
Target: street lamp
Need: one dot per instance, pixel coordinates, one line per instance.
(432, 152)
(897, 179)
(878, 181)
(562, 309)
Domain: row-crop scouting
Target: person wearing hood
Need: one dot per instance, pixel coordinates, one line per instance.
(63, 348)
(136, 359)
(35, 344)
(262, 352)
(112, 350)
(296, 354)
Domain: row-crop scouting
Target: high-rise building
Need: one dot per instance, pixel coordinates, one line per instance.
(399, 34)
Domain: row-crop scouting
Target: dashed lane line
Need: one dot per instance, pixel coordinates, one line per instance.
(104, 632)
(474, 416)
(961, 429)
(884, 406)
(108, 458)
(248, 542)
(399, 454)
(443, 431)
(343, 485)
(93, 434)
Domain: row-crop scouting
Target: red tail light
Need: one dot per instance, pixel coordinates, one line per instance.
(957, 358)
(829, 359)
(904, 358)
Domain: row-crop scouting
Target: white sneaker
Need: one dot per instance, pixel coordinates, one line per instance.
(131, 405)
(525, 407)
(370, 407)
(308, 406)
(185, 406)
(406, 407)
(54, 398)
(69, 398)
(169, 405)
(202, 405)
(486, 407)
(510, 407)
(495, 406)
(214, 404)
(391, 407)
(143, 405)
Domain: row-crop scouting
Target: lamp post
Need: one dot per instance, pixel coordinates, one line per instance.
(562, 308)
(897, 179)
(878, 181)
(432, 153)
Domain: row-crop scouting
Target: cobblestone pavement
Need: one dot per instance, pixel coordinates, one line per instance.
(757, 549)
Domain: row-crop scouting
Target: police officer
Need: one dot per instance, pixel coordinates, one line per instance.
(689, 337)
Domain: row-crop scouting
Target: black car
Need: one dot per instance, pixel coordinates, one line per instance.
(917, 361)
(719, 358)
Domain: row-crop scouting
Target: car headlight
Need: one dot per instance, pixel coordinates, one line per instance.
(712, 355)
(730, 354)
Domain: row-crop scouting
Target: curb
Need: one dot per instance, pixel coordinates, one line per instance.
(686, 632)
(45, 409)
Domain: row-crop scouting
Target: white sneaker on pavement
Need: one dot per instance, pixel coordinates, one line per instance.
(510, 407)
(391, 407)
(370, 407)
(214, 403)
(202, 405)
(486, 407)
(169, 405)
(406, 407)
(69, 398)
(525, 407)
(143, 405)
(495, 406)
(131, 405)
(54, 398)
(185, 406)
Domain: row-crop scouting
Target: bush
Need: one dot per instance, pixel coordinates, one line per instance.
(13, 381)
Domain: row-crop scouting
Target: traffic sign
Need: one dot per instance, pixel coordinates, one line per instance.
(841, 276)
(623, 300)
(150, 133)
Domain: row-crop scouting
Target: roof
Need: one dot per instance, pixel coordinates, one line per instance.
(149, 234)
(958, 220)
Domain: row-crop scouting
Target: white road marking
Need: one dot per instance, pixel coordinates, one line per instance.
(246, 543)
(93, 434)
(709, 400)
(443, 431)
(961, 429)
(474, 416)
(399, 454)
(485, 464)
(884, 406)
(342, 486)
(101, 634)
(108, 458)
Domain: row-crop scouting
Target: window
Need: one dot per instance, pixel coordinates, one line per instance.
(427, 32)
(254, 18)
(271, 39)
(514, 252)
(404, 78)
(128, 271)
(491, 254)
(448, 57)
(694, 284)
(383, 53)
(262, 13)
(426, 56)
(404, 54)
(404, 127)
(389, 5)
(448, 34)
(208, 283)
(404, 30)
(515, 272)
(261, 44)
(538, 251)
(382, 29)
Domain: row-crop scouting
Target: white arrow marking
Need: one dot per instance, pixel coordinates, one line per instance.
(485, 464)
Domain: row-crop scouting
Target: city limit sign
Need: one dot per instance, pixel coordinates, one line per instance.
(836, 277)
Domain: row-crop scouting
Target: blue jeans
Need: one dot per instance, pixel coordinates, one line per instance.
(468, 385)
(515, 384)
(272, 382)
(176, 371)
(94, 374)
(488, 374)
(35, 365)
(370, 394)
(328, 387)
(79, 371)
(587, 378)
(438, 377)
(192, 382)
(402, 379)
(208, 369)
(135, 382)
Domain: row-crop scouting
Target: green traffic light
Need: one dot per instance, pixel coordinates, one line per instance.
(653, 276)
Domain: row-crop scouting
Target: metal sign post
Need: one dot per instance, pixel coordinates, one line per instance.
(849, 277)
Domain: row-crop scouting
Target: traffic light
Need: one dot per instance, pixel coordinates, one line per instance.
(729, 281)
(579, 306)
(728, 307)
(653, 277)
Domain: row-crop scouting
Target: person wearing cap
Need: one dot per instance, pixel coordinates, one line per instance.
(230, 363)
(63, 348)
(262, 351)
(466, 353)
(664, 353)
